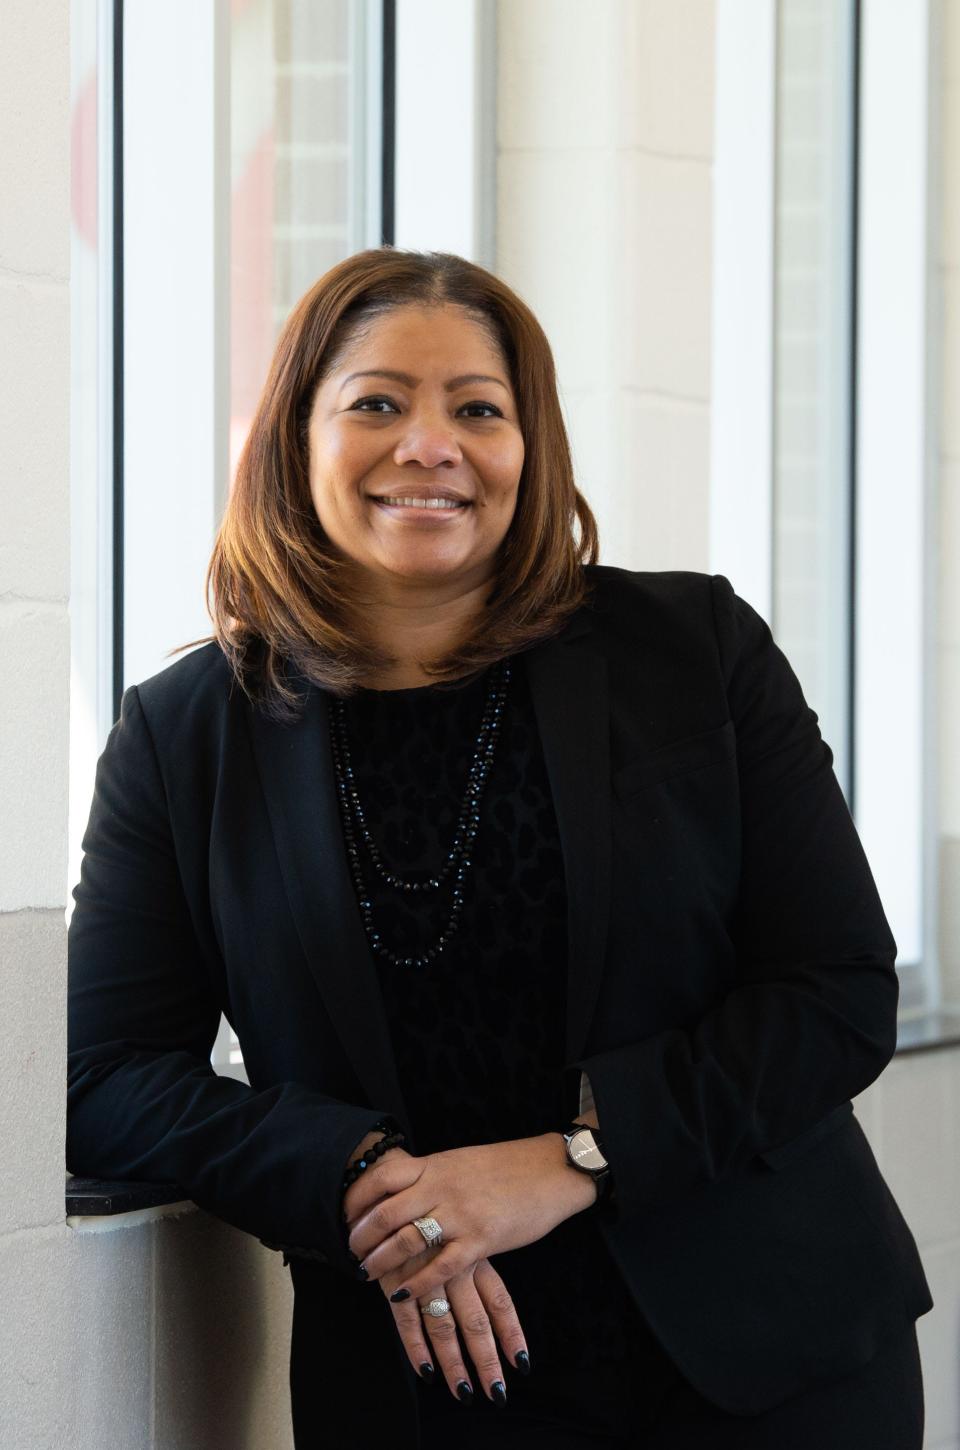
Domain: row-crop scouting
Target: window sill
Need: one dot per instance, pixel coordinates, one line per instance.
(89, 1200)
(928, 1031)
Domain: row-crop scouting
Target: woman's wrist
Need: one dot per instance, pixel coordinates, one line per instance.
(575, 1189)
(366, 1142)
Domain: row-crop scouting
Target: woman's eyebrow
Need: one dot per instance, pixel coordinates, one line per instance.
(412, 382)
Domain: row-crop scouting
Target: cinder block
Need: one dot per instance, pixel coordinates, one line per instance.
(921, 1151)
(35, 660)
(950, 169)
(75, 1339)
(556, 74)
(661, 485)
(557, 245)
(35, 125)
(948, 529)
(950, 395)
(224, 1311)
(939, 1336)
(665, 76)
(33, 1057)
(35, 440)
(664, 271)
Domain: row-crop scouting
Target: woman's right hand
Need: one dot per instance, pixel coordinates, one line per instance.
(480, 1307)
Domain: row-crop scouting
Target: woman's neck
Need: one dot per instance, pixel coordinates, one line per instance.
(415, 628)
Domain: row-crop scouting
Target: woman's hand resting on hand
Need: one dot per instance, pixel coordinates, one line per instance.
(480, 1306)
(488, 1200)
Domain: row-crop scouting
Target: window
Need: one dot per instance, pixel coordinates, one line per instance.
(824, 480)
(226, 157)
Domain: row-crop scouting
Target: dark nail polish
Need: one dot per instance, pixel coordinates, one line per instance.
(362, 1273)
(352, 1257)
(522, 1360)
(426, 1372)
(400, 1294)
(499, 1392)
(465, 1392)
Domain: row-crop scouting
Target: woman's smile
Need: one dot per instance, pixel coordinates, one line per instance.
(423, 508)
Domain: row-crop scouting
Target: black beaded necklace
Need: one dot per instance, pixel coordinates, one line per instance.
(458, 859)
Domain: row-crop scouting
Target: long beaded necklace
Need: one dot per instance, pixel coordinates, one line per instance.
(458, 860)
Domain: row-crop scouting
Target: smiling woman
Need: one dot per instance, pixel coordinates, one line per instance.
(533, 899)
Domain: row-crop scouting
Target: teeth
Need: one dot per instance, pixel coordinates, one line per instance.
(423, 503)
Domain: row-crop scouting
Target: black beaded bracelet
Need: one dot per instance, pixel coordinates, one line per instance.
(371, 1154)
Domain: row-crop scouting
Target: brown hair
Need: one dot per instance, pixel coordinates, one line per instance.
(276, 583)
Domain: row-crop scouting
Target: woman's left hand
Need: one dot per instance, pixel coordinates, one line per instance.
(487, 1199)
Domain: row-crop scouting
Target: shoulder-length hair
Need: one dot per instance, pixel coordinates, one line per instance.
(277, 590)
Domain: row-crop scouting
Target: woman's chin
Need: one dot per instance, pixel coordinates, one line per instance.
(427, 568)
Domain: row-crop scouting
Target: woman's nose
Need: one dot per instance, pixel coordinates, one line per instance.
(430, 440)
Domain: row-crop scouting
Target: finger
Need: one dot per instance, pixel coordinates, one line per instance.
(392, 1173)
(385, 1239)
(450, 1261)
(473, 1322)
(502, 1313)
(409, 1322)
(442, 1334)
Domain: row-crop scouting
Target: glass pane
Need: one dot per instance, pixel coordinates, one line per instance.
(945, 525)
(812, 352)
(301, 109)
(304, 189)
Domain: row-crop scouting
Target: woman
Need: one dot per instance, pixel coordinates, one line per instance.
(530, 891)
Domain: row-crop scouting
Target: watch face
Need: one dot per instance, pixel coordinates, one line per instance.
(584, 1153)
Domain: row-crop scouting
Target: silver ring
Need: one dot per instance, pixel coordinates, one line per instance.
(430, 1229)
(436, 1308)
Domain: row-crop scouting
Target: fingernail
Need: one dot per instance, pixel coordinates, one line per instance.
(522, 1360)
(426, 1372)
(400, 1294)
(499, 1391)
(352, 1257)
(362, 1273)
(465, 1392)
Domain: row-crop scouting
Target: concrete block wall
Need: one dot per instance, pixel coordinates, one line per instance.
(604, 152)
(154, 1334)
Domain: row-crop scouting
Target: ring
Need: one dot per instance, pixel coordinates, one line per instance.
(435, 1308)
(430, 1229)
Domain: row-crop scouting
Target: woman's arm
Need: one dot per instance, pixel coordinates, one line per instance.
(143, 1101)
(812, 1020)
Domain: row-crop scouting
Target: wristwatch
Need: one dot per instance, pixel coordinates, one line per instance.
(585, 1153)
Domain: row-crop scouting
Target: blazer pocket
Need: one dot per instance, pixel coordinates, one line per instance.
(785, 1153)
(677, 757)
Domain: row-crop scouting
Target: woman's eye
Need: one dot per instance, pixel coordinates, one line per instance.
(491, 408)
(360, 403)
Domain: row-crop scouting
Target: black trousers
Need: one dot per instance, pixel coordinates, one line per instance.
(880, 1407)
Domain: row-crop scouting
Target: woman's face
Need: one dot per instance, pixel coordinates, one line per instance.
(420, 407)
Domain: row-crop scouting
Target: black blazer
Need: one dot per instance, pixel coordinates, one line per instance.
(731, 986)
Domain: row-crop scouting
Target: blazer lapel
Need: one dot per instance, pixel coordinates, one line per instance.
(568, 683)
(296, 768)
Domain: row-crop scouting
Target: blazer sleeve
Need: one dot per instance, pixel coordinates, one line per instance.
(143, 1101)
(811, 1020)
